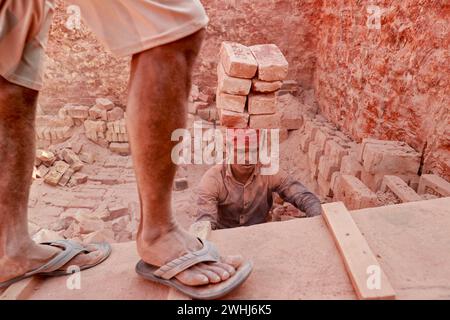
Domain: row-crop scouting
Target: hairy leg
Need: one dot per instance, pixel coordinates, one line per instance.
(159, 89)
(18, 253)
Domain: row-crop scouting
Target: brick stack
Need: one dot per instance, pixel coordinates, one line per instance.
(248, 81)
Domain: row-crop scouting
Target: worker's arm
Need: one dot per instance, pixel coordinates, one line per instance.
(208, 199)
(297, 194)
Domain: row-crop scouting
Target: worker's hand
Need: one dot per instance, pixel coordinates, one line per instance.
(200, 229)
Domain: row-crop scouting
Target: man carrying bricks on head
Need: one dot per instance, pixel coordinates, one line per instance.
(232, 194)
(163, 38)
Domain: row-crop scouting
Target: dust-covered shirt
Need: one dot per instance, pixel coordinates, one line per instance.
(228, 203)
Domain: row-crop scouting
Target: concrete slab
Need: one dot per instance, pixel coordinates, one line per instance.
(297, 259)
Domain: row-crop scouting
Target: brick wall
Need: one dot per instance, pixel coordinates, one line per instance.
(388, 83)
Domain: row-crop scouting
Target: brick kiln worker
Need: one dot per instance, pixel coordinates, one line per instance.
(234, 195)
(163, 38)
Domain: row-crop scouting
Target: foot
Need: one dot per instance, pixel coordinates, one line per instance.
(166, 246)
(31, 256)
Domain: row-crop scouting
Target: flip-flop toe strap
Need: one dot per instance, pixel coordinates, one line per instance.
(71, 250)
(207, 254)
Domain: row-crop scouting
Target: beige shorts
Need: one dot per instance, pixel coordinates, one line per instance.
(125, 27)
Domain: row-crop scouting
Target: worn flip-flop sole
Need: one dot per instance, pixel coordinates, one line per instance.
(104, 248)
(71, 250)
(205, 292)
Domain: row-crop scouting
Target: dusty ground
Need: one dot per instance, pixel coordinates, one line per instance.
(112, 184)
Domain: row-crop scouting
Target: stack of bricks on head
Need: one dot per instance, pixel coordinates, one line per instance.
(248, 81)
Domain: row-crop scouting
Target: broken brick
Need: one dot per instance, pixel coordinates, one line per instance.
(56, 173)
(66, 177)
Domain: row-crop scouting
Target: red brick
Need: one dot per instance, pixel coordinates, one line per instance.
(265, 121)
(262, 103)
(350, 166)
(354, 193)
(238, 60)
(314, 153)
(230, 84)
(115, 114)
(97, 113)
(327, 166)
(390, 157)
(399, 188)
(336, 151)
(324, 186)
(232, 119)
(431, 183)
(265, 86)
(77, 112)
(231, 102)
(272, 65)
(104, 104)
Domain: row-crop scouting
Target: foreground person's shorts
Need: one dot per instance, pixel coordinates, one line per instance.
(126, 27)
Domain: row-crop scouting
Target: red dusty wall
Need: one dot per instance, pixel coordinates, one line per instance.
(79, 69)
(389, 83)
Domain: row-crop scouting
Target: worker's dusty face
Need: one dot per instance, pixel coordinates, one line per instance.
(243, 167)
(246, 157)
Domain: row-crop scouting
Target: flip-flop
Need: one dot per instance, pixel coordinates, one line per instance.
(166, 274)
(70, 250)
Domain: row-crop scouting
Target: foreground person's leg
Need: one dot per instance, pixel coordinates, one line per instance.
(159, 89)
(18, 253)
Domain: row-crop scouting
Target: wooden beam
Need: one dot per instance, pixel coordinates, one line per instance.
(366, 275)
(20, 290)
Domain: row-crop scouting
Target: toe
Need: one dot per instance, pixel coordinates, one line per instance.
(234, 261)
(227, 267)
(217, 269)
(192, 278)
(212, 276)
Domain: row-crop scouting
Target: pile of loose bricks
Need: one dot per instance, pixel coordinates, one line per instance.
(358, 174)
(248, 81)
(103, 123)
(62, 168)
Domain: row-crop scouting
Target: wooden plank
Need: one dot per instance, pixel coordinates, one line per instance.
(20, 290)
(201, 229)
(366, 275)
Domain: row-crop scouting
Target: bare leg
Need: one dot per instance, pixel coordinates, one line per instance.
(159, 88)
(18, 253)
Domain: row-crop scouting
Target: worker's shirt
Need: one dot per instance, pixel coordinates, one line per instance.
(228, 203)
